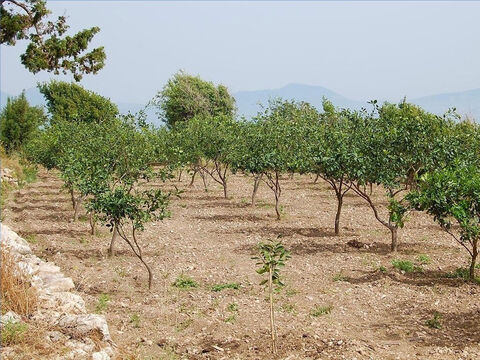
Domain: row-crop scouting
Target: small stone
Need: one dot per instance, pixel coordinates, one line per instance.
(10, 317)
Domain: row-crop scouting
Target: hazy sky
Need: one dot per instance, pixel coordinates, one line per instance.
(362, 50)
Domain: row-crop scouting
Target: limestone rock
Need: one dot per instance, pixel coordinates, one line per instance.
(58, 306)
(9, 317)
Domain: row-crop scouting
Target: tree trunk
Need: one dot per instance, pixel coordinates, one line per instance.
(180, 176)
(72, 195)
(224, 182)
(150, 274)
(272, 314)
(277, 195)
(339, 212)
(474, 259)
(316, 178)
(111, 249)
(78, 202)
(92, 222)
(256, 184)
(204, 179)
(193, 177)
(394, 231)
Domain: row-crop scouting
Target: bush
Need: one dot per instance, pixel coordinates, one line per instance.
(18, 122)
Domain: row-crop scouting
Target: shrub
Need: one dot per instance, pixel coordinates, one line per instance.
(18, 122)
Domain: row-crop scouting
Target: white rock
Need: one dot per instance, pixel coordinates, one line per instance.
(82, 325)
(57, 305)
(10, 317)
(100, 355)
(13, 242)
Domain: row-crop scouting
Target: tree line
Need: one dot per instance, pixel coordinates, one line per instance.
(422, 161)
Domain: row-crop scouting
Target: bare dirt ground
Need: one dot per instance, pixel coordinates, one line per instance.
(374, 314)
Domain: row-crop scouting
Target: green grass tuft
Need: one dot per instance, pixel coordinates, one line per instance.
(220, 287)
(185, 282)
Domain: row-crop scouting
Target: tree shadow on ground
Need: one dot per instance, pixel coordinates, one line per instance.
(286, 231)
(220, 204)
(32, 194)
(28, 207)
(63, 216)
(37, 186)
(41, 201)
(423, 278)
(67, 232)
(458, 329)
(231, 218)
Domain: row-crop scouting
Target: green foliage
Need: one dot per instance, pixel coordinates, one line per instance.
(208, 144)
(459, 273)
(274, 143)
(13, 332)
(232, 307)
(435, 321)
(184, 282)
(104, 163)
(102, 303)
(186, 96)
(321, 310)
(404, 265)
(452, 196)
(220, 287)
(272, 256)
(19, 122)
(382, 269)
(48, 49)
(72, 103)
(424, 259)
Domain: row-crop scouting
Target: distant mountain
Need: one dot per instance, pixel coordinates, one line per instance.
(466, 103)
(248, 102)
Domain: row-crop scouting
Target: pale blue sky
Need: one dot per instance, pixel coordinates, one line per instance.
(362, 50)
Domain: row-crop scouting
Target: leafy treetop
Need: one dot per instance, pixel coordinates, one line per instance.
(73, 103)
(49, 48)
(186, 96)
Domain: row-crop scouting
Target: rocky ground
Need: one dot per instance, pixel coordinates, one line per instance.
(67, 330)
(339, 302)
